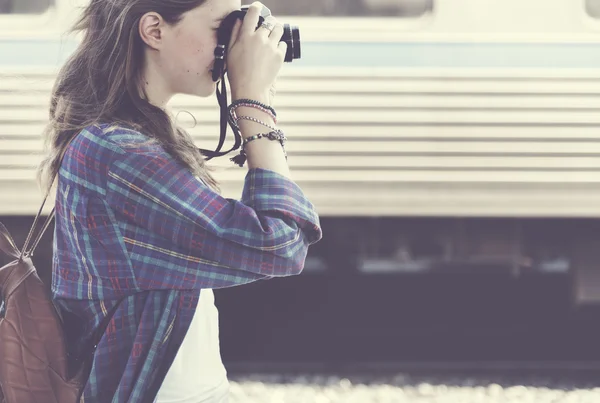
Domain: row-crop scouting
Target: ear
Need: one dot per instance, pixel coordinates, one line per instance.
(151, 29)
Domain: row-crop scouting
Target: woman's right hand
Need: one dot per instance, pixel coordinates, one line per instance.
(255, 56)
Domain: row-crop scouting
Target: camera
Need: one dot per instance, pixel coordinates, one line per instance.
(291, 36)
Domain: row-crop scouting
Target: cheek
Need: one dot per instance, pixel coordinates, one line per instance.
(200, 51)
(193, 55)
(203, 53)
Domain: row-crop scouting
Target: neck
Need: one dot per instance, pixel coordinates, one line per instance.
(155, 87)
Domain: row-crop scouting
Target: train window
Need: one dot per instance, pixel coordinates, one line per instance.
(593, 8)
(352, 8)
(25, 6)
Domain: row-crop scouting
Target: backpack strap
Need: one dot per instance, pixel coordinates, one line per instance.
(8, 245)
(27, 251)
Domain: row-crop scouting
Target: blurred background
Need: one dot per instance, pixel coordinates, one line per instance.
(452, 149)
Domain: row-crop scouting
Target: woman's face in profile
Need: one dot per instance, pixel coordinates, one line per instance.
(188, 53)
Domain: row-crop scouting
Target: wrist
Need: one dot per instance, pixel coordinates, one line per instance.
(251, 118)
(262, 98)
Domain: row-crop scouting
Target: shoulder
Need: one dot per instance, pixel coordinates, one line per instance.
(96, 148)
(130, 140)
(103, 143)
(116, 138)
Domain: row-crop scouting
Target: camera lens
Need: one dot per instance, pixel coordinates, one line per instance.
(291, 36)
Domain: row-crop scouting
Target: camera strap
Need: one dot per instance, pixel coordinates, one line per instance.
(224, 121)
(219, 71)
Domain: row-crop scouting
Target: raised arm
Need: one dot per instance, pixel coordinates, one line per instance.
(183, 235)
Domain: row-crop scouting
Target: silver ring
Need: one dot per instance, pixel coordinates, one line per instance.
(268, 26)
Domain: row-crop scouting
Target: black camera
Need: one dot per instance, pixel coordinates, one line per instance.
(291, 36)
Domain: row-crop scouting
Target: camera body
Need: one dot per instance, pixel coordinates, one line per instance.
(291, 36)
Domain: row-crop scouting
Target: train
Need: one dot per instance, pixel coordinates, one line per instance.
(431, 135)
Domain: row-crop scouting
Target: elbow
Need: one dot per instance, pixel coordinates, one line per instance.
(297, 257)
(298, 261)
(293, 257)
(293, 248)
(287, 260)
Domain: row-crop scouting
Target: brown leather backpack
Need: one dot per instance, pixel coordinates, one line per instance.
(33, 356)
(33, 363)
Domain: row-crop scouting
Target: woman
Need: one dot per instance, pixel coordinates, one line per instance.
(142, 235)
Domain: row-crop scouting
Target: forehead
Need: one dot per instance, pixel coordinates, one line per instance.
(215, 9)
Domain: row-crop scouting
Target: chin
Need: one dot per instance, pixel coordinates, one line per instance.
(213, 88)
(201, 88)
(204, 90)
(209, 93)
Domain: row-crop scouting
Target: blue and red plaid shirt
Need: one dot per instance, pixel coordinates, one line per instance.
(138, 235)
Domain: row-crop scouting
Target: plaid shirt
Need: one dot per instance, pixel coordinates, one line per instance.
(137, 232)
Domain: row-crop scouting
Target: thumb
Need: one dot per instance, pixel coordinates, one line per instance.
(235, 32)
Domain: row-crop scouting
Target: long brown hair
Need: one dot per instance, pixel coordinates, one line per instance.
(102, 83)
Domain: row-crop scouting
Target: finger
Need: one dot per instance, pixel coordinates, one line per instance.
(251, 18)
(267, 26)
(276, 34)
(235, 33)
(282, 48)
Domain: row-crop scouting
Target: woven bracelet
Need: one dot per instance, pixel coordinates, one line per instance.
(276, 135)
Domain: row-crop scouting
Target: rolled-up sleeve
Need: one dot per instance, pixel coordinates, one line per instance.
(181, 234)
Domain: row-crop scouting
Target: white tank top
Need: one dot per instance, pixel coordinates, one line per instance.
(198, 374)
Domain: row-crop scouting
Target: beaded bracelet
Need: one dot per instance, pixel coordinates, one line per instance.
(234, 121)
(232, 115)
(276, 135)
(233, 110)
(253, 119)
(253, 104)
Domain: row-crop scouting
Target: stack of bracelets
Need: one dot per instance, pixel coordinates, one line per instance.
(274, 134)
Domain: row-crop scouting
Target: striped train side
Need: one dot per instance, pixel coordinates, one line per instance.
(480, 108)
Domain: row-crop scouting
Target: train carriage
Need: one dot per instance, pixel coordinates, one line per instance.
(410, 121)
